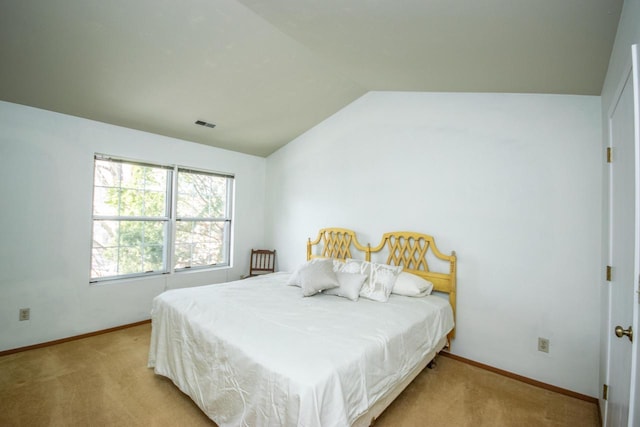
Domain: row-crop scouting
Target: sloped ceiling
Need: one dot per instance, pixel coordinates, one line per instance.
(265, 71)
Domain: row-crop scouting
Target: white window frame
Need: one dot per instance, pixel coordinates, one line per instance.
(226, 219)
(171, 220)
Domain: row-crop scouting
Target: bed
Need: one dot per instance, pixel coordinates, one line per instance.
(255, 352)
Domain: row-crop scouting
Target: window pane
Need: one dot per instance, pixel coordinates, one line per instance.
(105, 201)
(154, 233)
(133, 213)
(130, 260)
(107, 174)
(104, 262)
(123, 189)
(105, 234)
(154, 203)
(200, 243)
(127, 247)
(142, 202)
(201, 195)
(153, 258)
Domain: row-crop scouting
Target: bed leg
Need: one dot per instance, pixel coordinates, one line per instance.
(373, 421)
(432, 364)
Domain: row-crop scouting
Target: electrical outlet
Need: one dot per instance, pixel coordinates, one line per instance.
(543, 345)
(25, 314)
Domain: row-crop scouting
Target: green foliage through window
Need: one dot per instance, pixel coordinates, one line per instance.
(203, 219)
(133, 219)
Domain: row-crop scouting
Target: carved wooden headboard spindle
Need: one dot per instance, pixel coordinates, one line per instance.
(336, 243)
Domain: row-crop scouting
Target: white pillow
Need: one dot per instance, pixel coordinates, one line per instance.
(350, 285)
(294, 280)
(337, 264)
(381, 281)
(316, 277)
(356, 266)
(410, 285)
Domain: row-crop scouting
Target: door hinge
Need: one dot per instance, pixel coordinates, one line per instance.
(605, 392)
(609, 268)
(609, 155)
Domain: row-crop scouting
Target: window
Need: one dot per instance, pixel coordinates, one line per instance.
(156, 219)
(203, 219)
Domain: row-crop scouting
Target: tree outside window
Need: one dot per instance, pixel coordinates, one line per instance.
(203, 219)
(134, 219)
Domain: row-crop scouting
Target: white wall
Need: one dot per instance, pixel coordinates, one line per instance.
(511, 182)
(619, 65)
(46, 178)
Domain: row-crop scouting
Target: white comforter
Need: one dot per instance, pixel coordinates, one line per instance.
(256, 353)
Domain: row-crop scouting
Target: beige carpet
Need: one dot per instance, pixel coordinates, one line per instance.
(104, 381)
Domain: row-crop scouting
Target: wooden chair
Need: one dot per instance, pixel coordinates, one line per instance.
(262, 261)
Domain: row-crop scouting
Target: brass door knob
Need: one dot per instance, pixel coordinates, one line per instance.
(621, 332)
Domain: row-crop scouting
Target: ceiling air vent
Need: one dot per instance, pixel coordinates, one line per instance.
(206, 124)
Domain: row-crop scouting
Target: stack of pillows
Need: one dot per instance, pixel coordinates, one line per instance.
(353, 279)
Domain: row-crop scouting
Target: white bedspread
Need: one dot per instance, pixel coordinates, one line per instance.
(256, 353)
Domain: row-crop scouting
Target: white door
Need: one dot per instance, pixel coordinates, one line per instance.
(634, 410)
(622, 235)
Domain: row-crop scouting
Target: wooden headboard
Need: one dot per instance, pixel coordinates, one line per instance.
(405, 248)
(338, 243)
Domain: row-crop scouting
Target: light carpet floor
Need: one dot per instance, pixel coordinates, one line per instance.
(103, 381)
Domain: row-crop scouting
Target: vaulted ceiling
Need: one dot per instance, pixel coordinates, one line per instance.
(265, 71)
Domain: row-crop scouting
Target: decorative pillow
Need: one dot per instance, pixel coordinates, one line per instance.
(337, 265)
(350, 285)
(381, 281)
(410, 285)
(356, 266)
(294, 280)
(317, 276)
